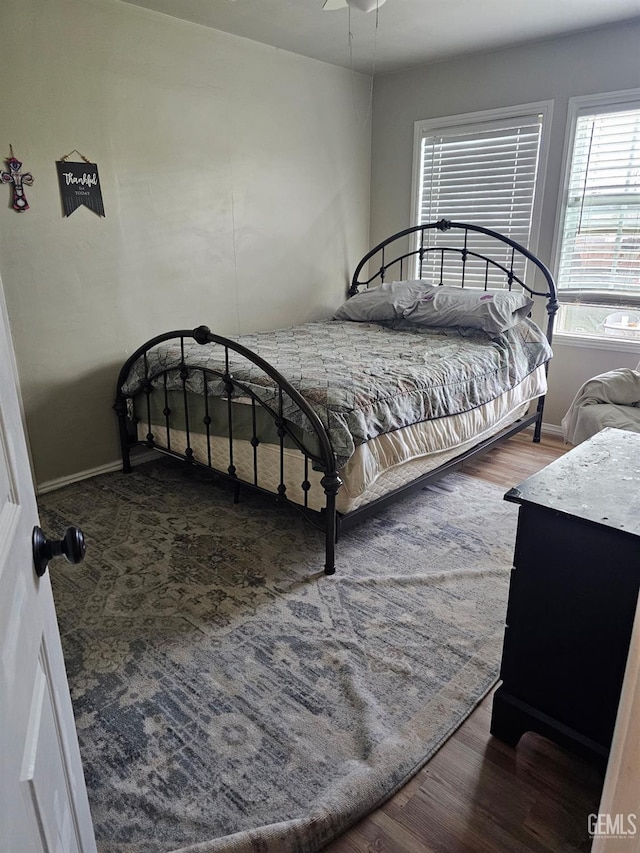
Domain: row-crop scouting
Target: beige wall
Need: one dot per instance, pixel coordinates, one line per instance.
(602, 60)
(235, 180)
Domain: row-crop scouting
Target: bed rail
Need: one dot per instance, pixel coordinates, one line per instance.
(179, 375)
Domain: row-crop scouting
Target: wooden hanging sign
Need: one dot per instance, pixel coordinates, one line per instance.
(79, 184)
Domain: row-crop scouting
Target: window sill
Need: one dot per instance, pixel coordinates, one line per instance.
(588, 342)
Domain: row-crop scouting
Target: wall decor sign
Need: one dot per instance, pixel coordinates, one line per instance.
(79, 184)
(18, 180)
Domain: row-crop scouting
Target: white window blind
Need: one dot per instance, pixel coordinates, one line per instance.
(600, 248)
(484, 174)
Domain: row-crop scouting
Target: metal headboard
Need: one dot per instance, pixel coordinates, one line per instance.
(400, 263)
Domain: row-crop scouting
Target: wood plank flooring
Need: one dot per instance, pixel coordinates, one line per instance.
(478, 795)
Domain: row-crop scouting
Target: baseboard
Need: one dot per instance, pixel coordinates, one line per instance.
(137, 458)
(59, 483)
(549, 429)
(552, 429)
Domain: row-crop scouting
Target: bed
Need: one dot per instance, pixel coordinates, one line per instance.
(432, 358)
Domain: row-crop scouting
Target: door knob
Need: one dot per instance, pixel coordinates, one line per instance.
(71, 546)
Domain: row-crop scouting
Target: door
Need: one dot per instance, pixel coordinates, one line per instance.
(43, 798)
(616, 827)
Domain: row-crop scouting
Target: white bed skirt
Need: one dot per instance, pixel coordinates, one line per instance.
(377, 467)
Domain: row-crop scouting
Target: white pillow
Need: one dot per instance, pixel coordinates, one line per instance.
(385, 302)
(491, 311)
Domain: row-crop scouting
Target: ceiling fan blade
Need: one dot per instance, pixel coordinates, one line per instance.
(365, 5)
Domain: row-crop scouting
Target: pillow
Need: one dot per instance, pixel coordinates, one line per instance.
(491, 311)
(385, 302)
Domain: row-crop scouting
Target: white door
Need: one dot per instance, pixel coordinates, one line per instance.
(616, 827)
(43, 798)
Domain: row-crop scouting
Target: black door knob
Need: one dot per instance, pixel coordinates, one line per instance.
(71, 546)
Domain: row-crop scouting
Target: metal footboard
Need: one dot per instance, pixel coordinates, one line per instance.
(218, 382)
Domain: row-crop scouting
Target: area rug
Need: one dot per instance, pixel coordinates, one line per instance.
(229, 697)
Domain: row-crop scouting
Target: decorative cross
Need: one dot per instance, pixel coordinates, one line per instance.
(13, 176)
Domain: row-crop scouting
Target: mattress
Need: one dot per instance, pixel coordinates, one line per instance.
(378, 466)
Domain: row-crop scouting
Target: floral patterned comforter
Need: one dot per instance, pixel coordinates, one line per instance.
(365, 379)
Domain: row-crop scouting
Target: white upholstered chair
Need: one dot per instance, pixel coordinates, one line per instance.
(608, 400)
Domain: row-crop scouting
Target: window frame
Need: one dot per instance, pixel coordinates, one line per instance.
(577, 105)
(479, 118)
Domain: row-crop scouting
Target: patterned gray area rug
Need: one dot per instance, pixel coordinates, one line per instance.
(228, 696)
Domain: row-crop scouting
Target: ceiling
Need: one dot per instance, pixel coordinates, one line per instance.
(410, 32)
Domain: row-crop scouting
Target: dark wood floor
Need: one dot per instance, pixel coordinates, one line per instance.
(478, 795)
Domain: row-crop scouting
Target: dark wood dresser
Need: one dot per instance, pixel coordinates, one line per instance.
(572, 596)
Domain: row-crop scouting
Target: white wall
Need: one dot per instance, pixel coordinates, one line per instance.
(601, 60)
(235, 180)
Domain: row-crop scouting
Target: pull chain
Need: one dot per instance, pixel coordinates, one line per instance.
(373, 67)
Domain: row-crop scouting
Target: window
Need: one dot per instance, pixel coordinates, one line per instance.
(599, 233)
(482, 169)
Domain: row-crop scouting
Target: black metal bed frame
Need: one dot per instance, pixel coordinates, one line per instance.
(324, 460)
